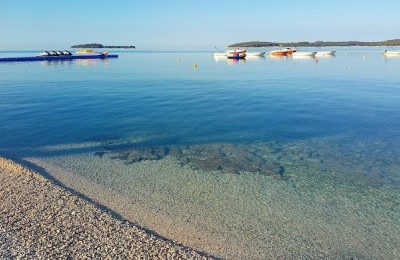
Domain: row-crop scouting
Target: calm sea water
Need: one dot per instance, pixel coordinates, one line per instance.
(151, 93)
(307, 121)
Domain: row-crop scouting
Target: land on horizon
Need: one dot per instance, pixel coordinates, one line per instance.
(100, 46)
(253, 44)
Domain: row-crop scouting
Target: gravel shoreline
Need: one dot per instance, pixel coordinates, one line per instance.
(40, 219)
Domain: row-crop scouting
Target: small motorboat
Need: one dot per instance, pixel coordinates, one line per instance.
(325, 53)
(392, 53)
(236, 54)
(304, 53)
(291, 50)
(86, 52)
(255, 54)
(281, 52)
(91, 52)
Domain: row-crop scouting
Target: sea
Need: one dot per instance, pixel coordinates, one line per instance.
(257, 158)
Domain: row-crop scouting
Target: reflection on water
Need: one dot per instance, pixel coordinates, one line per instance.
(77, 62)
(235, 61)
(46, 63)
(277, 57)
(305, 58)
(255, 58)
(91, 62)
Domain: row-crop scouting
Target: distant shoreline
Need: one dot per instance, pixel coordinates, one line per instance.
(255, 44)
(101, 46)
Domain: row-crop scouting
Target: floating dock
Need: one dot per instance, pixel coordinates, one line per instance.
(57, 58)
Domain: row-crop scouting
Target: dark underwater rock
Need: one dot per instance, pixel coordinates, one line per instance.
(223, 157)
(139, 154)
(227, 158)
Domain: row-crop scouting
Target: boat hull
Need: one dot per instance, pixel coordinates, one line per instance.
(278, 53)
(392, 53)
(236, 55)
(304, 53)
(325, 53)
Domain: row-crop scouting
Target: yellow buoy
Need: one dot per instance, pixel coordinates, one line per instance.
(195, 66)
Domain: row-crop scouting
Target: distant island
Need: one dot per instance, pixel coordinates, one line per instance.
(101, 46)
(254, 44)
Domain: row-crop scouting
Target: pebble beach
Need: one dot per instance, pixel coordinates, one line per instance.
(40, 219)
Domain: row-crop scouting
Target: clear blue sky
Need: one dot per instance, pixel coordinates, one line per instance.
(187, 24)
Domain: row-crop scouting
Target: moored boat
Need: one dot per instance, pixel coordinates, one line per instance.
(325, 53)
(86, 51)
(90, 52)
(392, 53)
(281, 52)
(304, 53)
(236, 54)
(291, 50)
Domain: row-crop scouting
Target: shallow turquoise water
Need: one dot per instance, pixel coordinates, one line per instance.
(328, 121)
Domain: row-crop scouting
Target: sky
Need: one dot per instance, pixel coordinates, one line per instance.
(190, 25)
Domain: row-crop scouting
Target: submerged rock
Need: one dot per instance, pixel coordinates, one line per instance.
(142, 154)
(227, 158)
(223, 157)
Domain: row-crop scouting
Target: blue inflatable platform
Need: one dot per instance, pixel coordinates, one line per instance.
(55, 58)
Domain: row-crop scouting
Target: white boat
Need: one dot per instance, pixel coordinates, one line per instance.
(392, 53)
(325, 53)
(236, 54)
(255, 54)
(304, 53)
